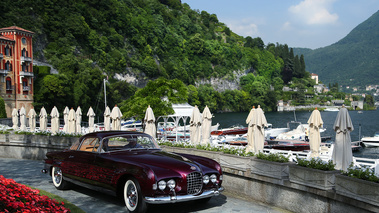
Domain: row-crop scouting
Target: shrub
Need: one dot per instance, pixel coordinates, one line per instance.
(316, 163)
(364, 173)
(3, 113)
(45, 133)
(272, 157)
(20, 132)
(4, 131)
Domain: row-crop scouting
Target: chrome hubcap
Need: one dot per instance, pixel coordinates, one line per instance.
(57, 175)
(132, 195)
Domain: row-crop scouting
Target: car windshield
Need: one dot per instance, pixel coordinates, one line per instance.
(128, 142)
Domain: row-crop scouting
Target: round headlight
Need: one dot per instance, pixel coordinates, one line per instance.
(162, 185)
(213, 178)
(171, 184)
(205, 179)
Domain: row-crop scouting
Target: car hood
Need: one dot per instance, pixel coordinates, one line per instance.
(162, 163)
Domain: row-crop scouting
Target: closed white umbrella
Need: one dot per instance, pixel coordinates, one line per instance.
(71, 128)
(250, 131)
(116, 116)
(91, 119)
(43, 119)
(206, 126)
(54, 120)
(22, 119)
(32, 119)
(150, 122)
(15, 118)
(259, 121)
(195, 125)
(342, 153)
(65, 118)
(107, 119)
(315, 122)
(78, 120)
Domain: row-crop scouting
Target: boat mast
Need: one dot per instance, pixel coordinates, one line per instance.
(105, 94)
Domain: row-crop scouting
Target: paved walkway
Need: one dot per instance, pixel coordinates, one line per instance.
(29, 172)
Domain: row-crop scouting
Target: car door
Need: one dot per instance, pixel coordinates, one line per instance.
(78, 163)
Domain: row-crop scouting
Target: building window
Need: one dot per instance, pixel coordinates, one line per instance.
(8, 85)
(25, 88)
(8, 66)
(23, 52)
(7, 51)
(23, 40)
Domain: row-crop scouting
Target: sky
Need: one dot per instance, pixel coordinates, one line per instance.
(297, 23)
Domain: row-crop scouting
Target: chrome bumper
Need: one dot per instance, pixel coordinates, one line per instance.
(183, 198)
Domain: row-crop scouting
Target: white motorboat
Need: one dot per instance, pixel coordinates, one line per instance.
(271, 133)
(296, 134)
(371, 141)
(331, 109)
(131, 125)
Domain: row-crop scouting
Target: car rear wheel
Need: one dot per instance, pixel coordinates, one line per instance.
(57, 176)
(133, 198)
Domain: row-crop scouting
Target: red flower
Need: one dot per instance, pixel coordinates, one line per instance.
(15, 197)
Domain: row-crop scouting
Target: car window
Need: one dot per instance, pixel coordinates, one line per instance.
(130, 141)
(89, 145)
(75, 145)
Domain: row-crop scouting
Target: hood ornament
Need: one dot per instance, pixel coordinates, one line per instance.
(193, 168)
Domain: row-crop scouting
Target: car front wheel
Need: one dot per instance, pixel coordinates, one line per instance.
(133, 198)
(57, 176)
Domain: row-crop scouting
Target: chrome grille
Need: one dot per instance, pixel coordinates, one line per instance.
(194, 183)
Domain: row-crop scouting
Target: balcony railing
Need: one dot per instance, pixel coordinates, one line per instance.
(25, 88)
(25, 59)
(10, 88)
(4, 72)
(28, 74)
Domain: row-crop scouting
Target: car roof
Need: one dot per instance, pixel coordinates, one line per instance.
(103, 134)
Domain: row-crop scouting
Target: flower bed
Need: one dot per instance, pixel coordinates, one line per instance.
(15, 197)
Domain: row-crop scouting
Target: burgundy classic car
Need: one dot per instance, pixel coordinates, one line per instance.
(131, 165)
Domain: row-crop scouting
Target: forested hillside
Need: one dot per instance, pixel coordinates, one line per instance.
(351, 61)
(89, 40)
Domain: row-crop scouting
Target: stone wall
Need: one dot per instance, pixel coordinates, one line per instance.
(284, 185)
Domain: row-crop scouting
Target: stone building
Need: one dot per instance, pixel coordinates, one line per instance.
(16, 68)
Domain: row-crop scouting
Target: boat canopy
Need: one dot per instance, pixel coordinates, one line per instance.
(182, 112)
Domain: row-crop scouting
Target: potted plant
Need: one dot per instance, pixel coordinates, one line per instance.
(313, 173)
(40, 138)
(4, 134)
(359, 183)
(272, 167)
(20, 136)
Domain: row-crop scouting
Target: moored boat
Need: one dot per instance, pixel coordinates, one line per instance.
(233, 130)
(371, 141)
(331, 109)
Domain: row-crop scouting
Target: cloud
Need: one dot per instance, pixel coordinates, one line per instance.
(244, 27)
(286, 26)
(314, 12)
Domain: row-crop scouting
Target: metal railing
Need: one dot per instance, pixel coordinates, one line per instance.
(4, 72)
(23, 73)
(326, 155)
(26, 59)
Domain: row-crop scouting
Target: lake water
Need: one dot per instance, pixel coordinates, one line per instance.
(368, 122)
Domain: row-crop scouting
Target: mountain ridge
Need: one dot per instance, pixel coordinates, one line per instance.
(350, 61)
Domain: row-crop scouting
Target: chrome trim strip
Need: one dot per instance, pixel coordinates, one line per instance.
(182, 198)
